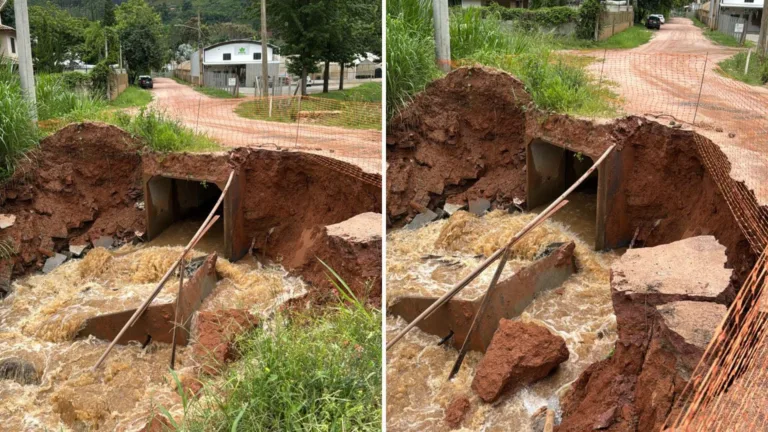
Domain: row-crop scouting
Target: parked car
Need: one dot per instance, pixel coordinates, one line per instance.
(660, 17)
(145, 81)
(310, 81)
(653, 22)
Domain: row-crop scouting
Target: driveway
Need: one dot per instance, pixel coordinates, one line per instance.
(217, 119)
(673, 78)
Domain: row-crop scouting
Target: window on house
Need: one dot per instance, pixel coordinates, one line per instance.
(13, 46)
(452, 3)
(227, 56)
(257, 56)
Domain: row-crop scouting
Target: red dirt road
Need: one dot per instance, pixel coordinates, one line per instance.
(664, 77)
(217, 119)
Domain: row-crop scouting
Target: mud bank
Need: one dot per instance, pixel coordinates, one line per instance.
(470, 135)
(91, 180)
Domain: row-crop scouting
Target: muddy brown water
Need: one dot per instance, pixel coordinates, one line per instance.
(581, 312)
(39, 320)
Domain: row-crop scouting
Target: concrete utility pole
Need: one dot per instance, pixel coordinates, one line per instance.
(25, 55)
(762, 42)
(264, 50)
(442, 35)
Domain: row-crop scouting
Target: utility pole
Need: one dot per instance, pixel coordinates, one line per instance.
(762, 42)
(442, 35)
(106, 59)
(25, 56)
(264, 50)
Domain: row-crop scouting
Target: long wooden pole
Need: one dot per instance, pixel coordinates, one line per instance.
(176, 313)
(469, 278)
(207, 224)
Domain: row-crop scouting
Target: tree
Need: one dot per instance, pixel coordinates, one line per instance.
(57, 36)
(6, 15)
(354, 30)
(109, 14)
(303, 27)
(93, 46)
(141, 34)
(762, 41)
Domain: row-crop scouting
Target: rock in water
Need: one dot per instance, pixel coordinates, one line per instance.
(18, 370)
(519, 354)
(456, 411)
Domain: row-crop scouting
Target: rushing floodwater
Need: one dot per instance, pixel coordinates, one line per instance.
(430, 260)
(39, 320)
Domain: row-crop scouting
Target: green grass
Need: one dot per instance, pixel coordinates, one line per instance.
(310, 371)
(720, 38)
(368, 92)
(733, 67)
(314, 110)
(632, 37)
(208, 91)
(133, 96)
(161, 133)
(56, 99)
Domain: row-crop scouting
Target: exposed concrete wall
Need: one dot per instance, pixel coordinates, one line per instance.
(117, 84)
(612, 23)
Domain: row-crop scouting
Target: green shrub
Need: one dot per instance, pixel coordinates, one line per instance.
(589, 14)
(56, 99)
(161, 133)
(76, 80)
(733, 67)
(534, 18)
(18, 134)
(99, 76)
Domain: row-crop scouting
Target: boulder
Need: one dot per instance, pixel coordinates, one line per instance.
(519, 354)
(456, 411)
(21, 371)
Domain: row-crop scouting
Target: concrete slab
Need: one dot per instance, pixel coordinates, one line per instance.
(510, 298)
(453, 208)
(156, 323)
(7, 220)
(695, 322)
(105, 242)
(53, 262)
(421, 219)
(77, 250)
(479, 206)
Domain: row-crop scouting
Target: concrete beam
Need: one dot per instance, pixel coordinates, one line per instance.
(157, 321)
(509, 300)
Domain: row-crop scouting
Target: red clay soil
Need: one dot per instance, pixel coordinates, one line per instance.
(462, 138)
(82, 183)
(215, 336)
(85, 181)
(519, 354)
(456, 411)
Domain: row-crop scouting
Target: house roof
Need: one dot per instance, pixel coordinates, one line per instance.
(4, 27)
(240, 41)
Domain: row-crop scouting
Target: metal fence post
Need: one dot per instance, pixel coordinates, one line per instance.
(701, 86)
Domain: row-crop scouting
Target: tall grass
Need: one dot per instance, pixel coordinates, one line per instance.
(18, 134)
(308, 372)
(733, 67)
(410, 51)
(554, 83)
(161, 133)
(56, 99)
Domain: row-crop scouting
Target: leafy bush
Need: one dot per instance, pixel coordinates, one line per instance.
(589, 14)
(537, 4)
(534, 18)
(163, 134)
(99, 76)
(76, 80)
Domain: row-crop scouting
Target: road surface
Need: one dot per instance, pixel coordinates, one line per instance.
(675, 76)
(217, 119)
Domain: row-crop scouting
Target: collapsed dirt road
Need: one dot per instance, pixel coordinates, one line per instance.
(675, 77)
(217, 118)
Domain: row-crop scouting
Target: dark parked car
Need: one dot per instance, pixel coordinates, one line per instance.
(653, 22)
(145, 81)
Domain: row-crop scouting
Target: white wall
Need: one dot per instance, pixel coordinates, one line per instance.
(758, 4)
(471, 3)
(242, 52)
(5, 45)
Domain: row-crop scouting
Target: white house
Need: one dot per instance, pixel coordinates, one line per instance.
(740, 12)
(239, 59)
(7, 39)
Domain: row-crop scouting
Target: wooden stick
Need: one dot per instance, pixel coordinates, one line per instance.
(207, 224)
(176, 313)
(479, 314)
(464, 282)
(549, 422)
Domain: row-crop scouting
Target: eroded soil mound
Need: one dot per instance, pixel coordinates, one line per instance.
(461, 138)
(82, 183)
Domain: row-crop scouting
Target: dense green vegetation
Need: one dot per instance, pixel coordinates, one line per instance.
(163, 134)
(368, 92)
(632, 37)
(719, 38)
(532, 18)
(133, 96)
(311, 371)
(733, 67)
(555, 82)
(17, 133)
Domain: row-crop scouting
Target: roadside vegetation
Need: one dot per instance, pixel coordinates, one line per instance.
(719, 38)
(368, 92)
(208, 91)
(305, 371)
(314, 110)
(133, 96)
(632, 37)
(162, 133)
(733, 67)
(478, 35)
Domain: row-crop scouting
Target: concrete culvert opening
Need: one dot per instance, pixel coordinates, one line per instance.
(551, 171)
